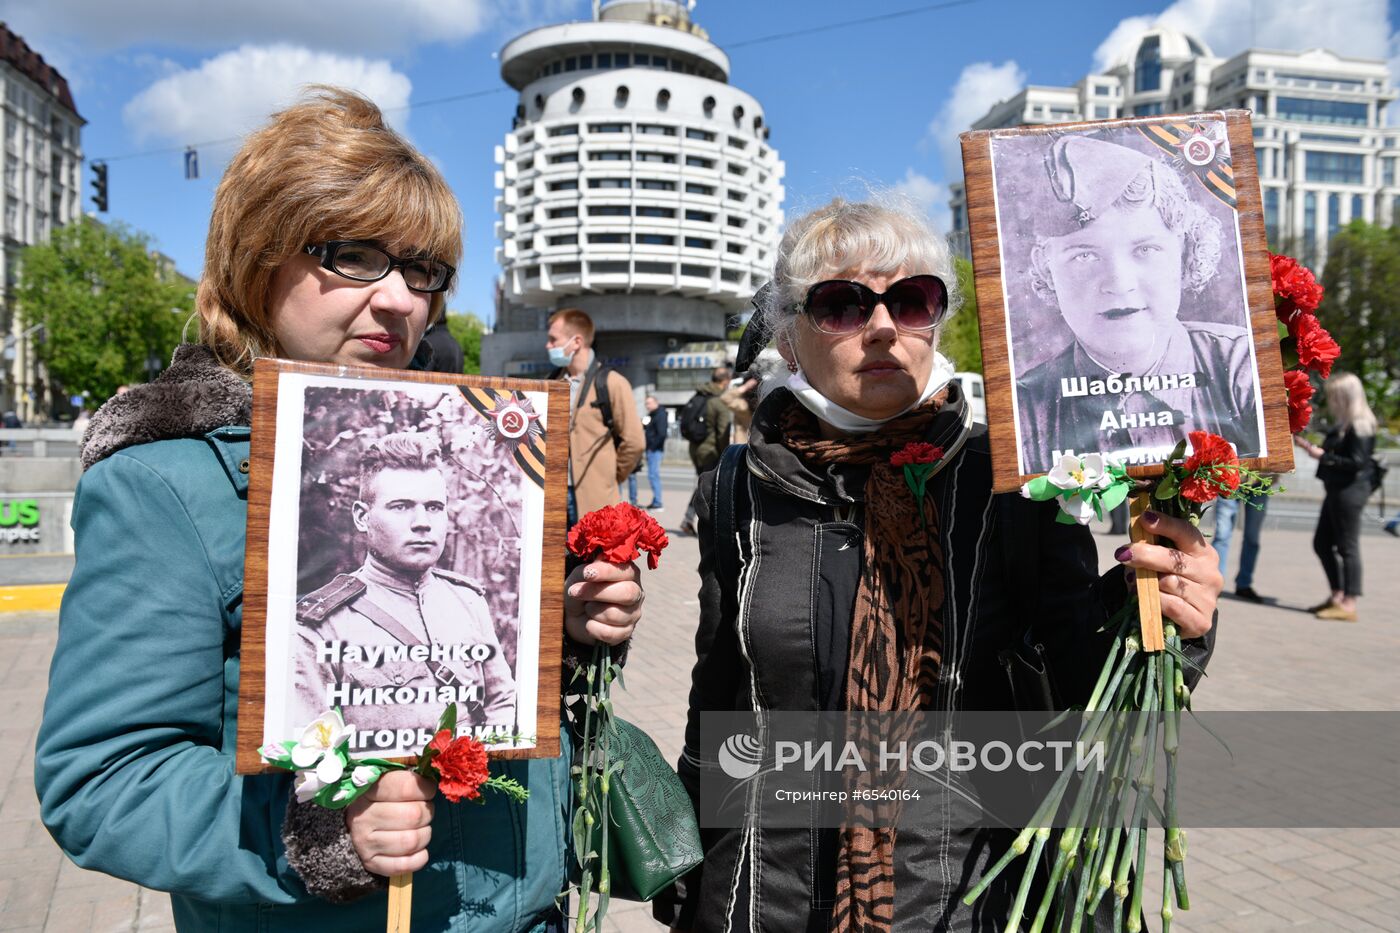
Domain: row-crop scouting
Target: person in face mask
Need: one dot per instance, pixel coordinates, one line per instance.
(826, 585)
(606, 440)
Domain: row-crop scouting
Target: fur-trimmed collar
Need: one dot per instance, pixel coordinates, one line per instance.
(194, 396)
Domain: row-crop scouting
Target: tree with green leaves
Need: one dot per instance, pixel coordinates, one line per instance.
(107, 311)
(1361, 309)
(467, 329)
(962, 339)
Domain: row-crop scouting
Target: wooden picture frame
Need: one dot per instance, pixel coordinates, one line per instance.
(1032, 194)
(405, 569)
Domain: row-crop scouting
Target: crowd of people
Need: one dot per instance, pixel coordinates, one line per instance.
(311, 256)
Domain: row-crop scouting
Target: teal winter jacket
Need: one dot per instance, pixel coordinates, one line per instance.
(135, 759)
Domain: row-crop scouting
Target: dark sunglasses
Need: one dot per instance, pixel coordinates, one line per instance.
(840, 306)
(368, 262)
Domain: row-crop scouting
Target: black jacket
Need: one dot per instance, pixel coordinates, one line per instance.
(1346, 459)
(800, 541)
(656, 429)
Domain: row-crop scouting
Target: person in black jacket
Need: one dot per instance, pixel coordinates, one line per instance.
(656, 446)
(448, 356)
(1344, 466)
(824, 587)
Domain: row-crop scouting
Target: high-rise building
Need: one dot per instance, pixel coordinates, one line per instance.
(1324, 153)
(41, 161)
(635, 183)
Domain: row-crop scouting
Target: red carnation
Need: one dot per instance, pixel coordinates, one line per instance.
(461, 765)
(1295, 288)
(916, 452)
(616, 533)
(1211, 469)
(1316, 348)
(1300, 392)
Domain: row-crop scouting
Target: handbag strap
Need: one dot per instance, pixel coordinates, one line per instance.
(730, 495)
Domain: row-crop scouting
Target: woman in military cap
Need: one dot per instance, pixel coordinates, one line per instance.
(1121, 246)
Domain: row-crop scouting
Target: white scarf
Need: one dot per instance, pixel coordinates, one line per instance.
(940, 374)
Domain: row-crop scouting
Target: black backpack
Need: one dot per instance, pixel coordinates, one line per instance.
(694, 427)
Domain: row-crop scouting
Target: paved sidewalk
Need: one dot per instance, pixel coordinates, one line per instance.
(1272, 657)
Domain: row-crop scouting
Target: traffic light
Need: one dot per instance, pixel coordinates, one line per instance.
(99, 185)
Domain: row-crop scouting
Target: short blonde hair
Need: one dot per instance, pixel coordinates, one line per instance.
(1346, 403)
(842, 237)
(327, 168)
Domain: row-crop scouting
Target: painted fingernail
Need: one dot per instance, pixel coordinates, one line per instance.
(589, 573)
(1123, 553)
(576, 589)
(1150, 518)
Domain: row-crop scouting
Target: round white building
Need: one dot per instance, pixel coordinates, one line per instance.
(636, 184)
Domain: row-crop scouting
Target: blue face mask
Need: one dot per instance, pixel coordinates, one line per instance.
(559, 357)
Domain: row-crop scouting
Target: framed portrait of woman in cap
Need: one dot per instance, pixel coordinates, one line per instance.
(1123, 286)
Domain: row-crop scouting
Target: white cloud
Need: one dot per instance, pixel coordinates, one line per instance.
(1351, 28)
(926, 195)
(348, 25)
(980, 85)
(232, 93)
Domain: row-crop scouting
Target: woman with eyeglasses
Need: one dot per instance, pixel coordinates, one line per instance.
(824, 589)
(332, 240)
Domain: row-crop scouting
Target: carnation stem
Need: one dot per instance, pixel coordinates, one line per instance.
(604, 813)
(1018, 907)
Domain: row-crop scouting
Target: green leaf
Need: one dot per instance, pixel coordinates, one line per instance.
(1178, 452)
(580, 838)
(1041, 489)
(1113, 496)
(1167, 488)
(448, 719)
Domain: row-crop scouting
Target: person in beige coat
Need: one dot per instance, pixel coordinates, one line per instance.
(601, 455)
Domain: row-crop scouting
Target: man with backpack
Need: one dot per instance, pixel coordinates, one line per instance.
(605, 431)
(705, 421)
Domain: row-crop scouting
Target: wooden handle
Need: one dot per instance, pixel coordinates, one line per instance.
(1149, 597)
(401, 901)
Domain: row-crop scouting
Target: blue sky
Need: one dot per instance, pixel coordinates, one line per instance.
(877, 103)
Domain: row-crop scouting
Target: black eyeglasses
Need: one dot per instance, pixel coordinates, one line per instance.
(366, 262)
(840, 306)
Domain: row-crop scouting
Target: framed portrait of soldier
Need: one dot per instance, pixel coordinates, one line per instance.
(1123, 292)
(397, 559)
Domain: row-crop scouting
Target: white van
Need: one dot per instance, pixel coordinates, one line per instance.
(971, 384)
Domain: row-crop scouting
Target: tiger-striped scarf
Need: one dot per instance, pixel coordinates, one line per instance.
(896, 628)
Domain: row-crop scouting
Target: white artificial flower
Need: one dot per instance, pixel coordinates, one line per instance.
(1094, 473)
(330, 769)
(308, 785)
(318, 738)
(1076, 508)
(1068, 473)
(364, 775)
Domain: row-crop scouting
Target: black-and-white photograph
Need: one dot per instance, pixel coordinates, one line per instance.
(413, 581)
(1127, 314)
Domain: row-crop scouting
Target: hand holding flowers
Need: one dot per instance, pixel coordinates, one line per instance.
(603, 598)
(601, 608)
(388, 809)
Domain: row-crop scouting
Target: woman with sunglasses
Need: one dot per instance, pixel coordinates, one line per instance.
(331, 241)
(824, 589)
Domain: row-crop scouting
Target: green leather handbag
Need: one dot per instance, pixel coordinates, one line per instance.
(654, 838)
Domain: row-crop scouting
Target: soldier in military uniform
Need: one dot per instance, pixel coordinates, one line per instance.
(394, 641)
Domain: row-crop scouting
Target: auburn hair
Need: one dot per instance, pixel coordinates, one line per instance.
(576, 321)
(326, 168)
